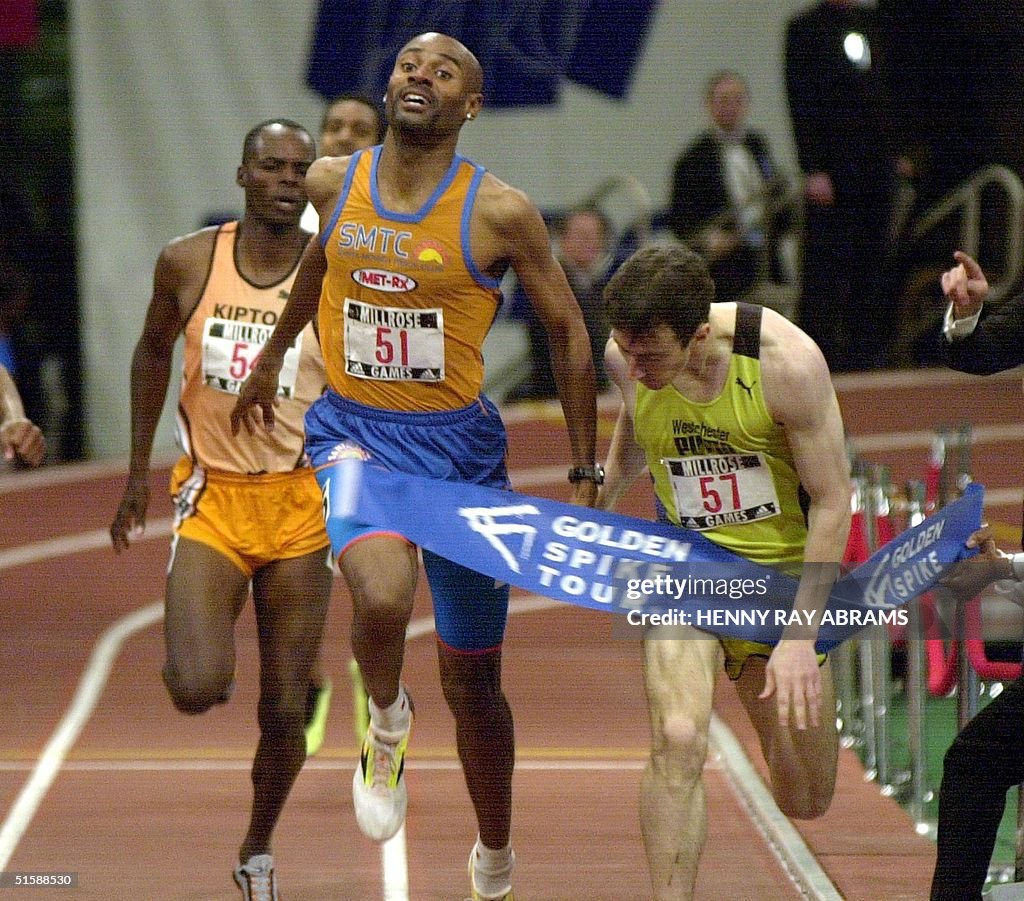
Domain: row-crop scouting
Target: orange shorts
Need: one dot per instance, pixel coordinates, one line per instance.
(251, 520)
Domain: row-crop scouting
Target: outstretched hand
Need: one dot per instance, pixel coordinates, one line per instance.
(793, 676)
(968, 577)
(965, 286)
(130, 519)
(23, 439)
(257, 399)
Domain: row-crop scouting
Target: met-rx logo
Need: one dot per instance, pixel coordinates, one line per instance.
(384, 280)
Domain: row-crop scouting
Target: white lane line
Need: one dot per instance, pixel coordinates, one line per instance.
(93, 540)
(65, 473)
(90, 687)
(786, 843)
(922, 439)
(915, 378)
(97, 539)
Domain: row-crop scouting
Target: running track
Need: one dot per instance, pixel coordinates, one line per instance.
(102, 777)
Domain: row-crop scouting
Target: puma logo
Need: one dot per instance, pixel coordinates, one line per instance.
(748, 388)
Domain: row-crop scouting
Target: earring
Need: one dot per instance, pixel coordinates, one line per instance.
(469, 115)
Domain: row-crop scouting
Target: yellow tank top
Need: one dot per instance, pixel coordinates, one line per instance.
(225, 332)
(403, 309)
(724, 467)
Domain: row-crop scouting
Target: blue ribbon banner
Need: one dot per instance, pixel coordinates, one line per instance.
(652, 572)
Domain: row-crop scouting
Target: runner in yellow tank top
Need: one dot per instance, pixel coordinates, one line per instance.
(725, 462)
(247, 511)
(415, 242)
(731, 408)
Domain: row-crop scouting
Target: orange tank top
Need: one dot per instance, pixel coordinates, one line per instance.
(403, 309)
(225, 332)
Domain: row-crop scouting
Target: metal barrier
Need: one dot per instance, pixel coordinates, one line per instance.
(936, 664)
(967, 200)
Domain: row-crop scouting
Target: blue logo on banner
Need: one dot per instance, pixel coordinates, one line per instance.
(607, 561)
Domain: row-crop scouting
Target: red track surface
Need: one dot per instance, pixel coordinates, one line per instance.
(151, 805)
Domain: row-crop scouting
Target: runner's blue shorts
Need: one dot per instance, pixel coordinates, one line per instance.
(466, 445)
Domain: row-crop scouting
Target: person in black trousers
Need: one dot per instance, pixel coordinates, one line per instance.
(847, 140)
(987, 758)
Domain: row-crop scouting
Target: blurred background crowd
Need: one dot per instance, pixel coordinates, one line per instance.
(832, 188)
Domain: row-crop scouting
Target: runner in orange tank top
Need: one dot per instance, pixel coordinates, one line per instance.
(414, 241)
(247, 512)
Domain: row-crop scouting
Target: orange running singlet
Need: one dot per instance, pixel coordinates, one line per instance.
(403, 310)
(224, 333)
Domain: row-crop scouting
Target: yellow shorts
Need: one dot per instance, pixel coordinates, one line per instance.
(251, 520)
(739, 650)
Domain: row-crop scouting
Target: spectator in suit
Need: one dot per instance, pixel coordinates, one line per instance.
(986, 759)
(582, 241)
(728, 201)
(842, 117)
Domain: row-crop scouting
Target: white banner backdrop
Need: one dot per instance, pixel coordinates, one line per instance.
(164, 93)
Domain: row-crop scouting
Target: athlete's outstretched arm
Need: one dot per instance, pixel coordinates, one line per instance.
(799, 394)
(260, 388)
(626, 460)
(150, 376)
(19, 436)
(528, 245)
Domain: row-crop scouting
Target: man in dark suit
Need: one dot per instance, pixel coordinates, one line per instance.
(843, 126)
(987, 758)
(724, 183)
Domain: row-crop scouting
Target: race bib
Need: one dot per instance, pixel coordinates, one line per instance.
(721, 490)
(230, 349)
(393, 344)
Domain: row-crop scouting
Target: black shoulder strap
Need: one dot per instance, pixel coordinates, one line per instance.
(747, 340)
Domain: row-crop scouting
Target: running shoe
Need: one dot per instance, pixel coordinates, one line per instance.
(318, 703)
(378, 784)
(256, 878)
(506, 895)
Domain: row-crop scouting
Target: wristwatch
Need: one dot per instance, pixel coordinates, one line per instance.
(593, 474)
